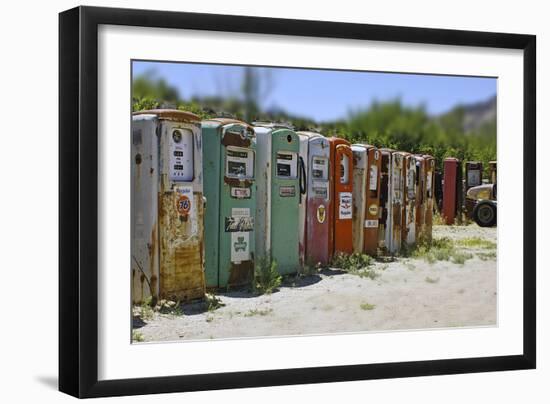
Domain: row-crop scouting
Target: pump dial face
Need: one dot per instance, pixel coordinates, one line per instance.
(176, 136)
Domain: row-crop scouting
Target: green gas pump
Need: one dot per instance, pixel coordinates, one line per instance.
(229, 148)
(278, 194)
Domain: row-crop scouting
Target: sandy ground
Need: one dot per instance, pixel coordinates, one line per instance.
(407, 294)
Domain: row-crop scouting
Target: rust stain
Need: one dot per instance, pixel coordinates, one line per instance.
(241, 274)
(235, 139)
(181, 259)
(236, 182)
(227, 121)
(171, 115)
(152, 249)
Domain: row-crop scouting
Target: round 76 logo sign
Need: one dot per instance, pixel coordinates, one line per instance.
(183, 205)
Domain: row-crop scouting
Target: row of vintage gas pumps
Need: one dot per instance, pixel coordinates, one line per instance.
(212, 198)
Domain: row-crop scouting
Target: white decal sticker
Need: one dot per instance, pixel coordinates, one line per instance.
(371, 223)
(240, 247)
(240, 241)
(373, 178)
(240, 211)
(240, 193)
(345, 205)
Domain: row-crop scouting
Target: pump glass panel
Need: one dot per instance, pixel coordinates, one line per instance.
(319, 168)
(429, 184)
(181, 155)
(287, 164)
(373, 177)
(344, 169)
(319, 175)
(411, 190)
(239, 162)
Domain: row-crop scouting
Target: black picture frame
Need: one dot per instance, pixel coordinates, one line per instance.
(78, 201)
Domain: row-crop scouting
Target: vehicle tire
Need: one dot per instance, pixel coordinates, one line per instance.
(485, 214)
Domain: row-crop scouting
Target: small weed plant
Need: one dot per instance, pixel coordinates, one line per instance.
(258, 312)
(266, 277)
(486, 256)
(367, 306)
(213, 302)
(477, 242)
(440, 249)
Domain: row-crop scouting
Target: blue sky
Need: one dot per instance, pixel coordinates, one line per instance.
(323, 94)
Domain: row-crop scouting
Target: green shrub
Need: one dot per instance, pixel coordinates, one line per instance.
(355, 261)
(460, 257)
(367, 306)
(356, 264)
(137, 336)
(266, 277)
(145, 310)
(438, 250)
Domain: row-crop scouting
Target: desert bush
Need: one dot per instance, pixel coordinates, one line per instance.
(356, 264)
(137, 336)
(213, 302)
(266, 277)
(477, 242)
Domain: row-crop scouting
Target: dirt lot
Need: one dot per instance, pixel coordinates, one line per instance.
(408, 293)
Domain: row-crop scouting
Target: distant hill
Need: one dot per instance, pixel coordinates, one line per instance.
(479, 114)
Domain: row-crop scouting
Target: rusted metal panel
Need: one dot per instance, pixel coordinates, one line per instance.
(360, 172)
(493, 172)
(430, 197)
(181, 246)
(144, 205)
(170, 194)
(410, 192)
(397, 201)
(175, 115)
(385, 216)
(372, 221)
(420, 201)
(366, 198)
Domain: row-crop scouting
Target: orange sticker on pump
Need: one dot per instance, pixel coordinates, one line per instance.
(183, 205)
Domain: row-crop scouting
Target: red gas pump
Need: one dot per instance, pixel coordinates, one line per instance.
(452, 189)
